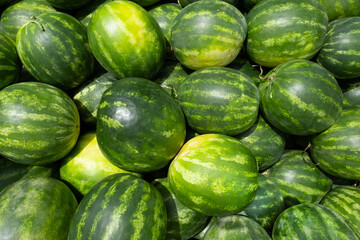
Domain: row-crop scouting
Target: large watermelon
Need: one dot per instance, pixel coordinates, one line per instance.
(298, 179)
(20, 13)
(140, 127)
(36, 208)
(54, 49)
(214, 174)
(126, 40)
(208, 33)
(120, 207)
(39, 123)
(10, 64)
(340, 53)
(283, 30)
(219, 100)
(310, 221)
(336, 150)
(300, 97)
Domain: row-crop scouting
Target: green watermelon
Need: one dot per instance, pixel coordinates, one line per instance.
(20, 13)
(298, 179)
(310, 221)
(336, 9)
(340, 52)
(219, 100)
(88, 96)
(208, 33)
(36, 208)
(121, 206)
(265, 143)
(182, 222)
(283, 30)
(68, 4)
(39, 123)
(346, 201)
(267, 204)
(54, 49)
(11, 172)
(140, 127)
(126, 40)
(235, 227)
(85, 165)
(300, 97)
(10, 64)
(214, 174)
(336, 150)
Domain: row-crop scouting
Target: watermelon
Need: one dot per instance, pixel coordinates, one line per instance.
(283, 30)
(336, 150)
(313, 221)
(88, 96)
(351, 92)
(336, 9)
(140, 127)
(39, 123)
(214, 174)
(20, 13)
(85, 165)
(208, 33)
(182, 222)
(340, 52)
(11, 172)
(121, 206)
(10, 64)
(126, 40)
(54, 49)
(267, 204)
(219, 100)
(266, 143)
(236, 227)
(36, 208)
(346, 201)
(68, 4)
(298, 179)
(300, 97)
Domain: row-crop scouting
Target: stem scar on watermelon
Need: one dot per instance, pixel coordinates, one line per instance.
(33, 20)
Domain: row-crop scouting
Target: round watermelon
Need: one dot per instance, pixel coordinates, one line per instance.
(39, 123)
(214, 174)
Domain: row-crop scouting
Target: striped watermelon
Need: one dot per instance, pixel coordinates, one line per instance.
(351, 91)
(121, 207)
(126, 40)
(10, 64)
(340, 52)
(11, 172)
(214, 174)
(283, 30)
(336, 9)
(336, 150)
(266, 144)
(208, 33)
(267, 204)
(140, 127)
(300, 97)
(68, 4)
(219, 100)
(236, 227)
(310, 221)
(54, 49)
(36, 208)
(346, 201)
(182, 222)
(298, 179)
(88, 96)
(39, 123)
(85, 165)
(20, 13)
